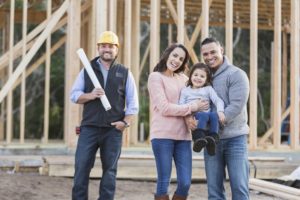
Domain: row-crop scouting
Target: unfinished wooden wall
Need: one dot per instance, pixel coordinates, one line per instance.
(124, 16)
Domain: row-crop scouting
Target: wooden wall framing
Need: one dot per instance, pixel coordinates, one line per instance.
(124, 16)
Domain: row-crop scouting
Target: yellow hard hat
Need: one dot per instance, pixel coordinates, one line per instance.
(108, 37)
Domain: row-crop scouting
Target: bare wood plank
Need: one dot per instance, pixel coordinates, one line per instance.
(72, 67)
(54, 19)
(180, 24)
(92, 34)
(30, 39)
(34, 16)
(127, 54)
(154, 35)
(274, 186)
(277, 76)
(41, 60)
(144, 59)
(23, 85)
(18, 46)
(253, 75)
(9, 103)
(273, 192)
(270, 131)
(47, 81)
(102, 16)
(205, 22)
(170, 34)
(135, 61)
(127, 33)
(2, 122)
(198, 28)
(284, 79)
(294, 81)
(113, 15)
(229, 29)
(187, 41)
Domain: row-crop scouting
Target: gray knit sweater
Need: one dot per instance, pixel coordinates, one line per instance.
(232, 86)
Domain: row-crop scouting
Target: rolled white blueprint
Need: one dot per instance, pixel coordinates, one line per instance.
(92, 75)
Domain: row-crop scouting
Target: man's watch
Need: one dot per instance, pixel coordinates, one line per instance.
(126, 123)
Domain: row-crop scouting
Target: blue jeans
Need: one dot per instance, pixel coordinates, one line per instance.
(109, 140)
(208, 117)
(233, 154)
(164, 151)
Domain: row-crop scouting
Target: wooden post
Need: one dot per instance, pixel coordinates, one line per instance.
(92, 34)
(135, 61)
(9, 104)
(272, 84)
(23, 85)
(180, 25)
(2, 122)
(253, 74)
(284, 92)
(294, 81)
(186, 39)
(47, 80)
(4, 59)
(154, 35)
(101, 16)
(170, 34)
(127, 52)
(277, 75)
(35, 47)
(72, 115)
(113, 15)
(205, 22)
(120, 28)
(229, 29)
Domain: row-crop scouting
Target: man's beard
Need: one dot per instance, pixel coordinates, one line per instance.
(106, 59)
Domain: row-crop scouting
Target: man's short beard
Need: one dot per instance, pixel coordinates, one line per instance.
(105, 59)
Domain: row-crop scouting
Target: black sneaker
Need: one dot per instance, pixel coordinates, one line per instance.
(199, 144)
(211, 145)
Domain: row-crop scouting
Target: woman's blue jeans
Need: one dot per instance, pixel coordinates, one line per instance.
(233, 154)
(165, 150)
(109, 140)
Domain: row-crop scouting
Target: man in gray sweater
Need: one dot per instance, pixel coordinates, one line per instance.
(232, 86)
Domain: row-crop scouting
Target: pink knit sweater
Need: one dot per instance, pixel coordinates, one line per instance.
(167, 116)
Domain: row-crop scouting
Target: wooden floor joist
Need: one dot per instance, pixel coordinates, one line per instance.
(274, 189)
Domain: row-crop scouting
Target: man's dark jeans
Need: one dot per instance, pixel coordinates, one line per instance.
(109, 140)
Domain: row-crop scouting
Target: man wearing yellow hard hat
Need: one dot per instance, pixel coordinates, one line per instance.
(99, 128)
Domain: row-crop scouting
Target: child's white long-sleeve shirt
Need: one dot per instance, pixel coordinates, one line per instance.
(189, 94)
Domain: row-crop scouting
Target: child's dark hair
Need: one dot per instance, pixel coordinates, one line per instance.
(203, 67)
(162, 64)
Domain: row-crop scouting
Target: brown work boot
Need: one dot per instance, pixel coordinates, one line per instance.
(163, 197)
(177, 197)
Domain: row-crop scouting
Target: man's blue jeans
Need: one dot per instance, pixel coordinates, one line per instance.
(164, 151)
(233, 154)
(109, 140)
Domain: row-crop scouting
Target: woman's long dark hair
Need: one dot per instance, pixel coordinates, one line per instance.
(161, 66)
(203, 67)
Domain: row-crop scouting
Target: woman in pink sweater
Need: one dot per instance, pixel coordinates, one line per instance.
(170, 137)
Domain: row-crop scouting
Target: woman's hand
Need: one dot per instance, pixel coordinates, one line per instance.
(199, 105)
(191, 122)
